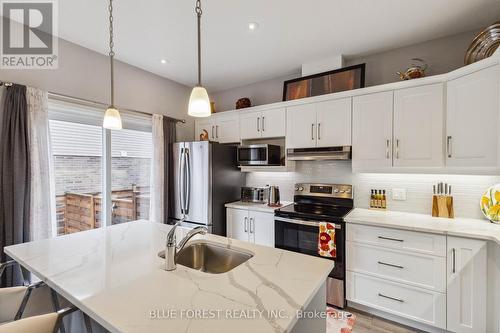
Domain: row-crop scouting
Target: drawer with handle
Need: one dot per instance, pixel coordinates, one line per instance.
(417, 304)
(411, 241)
(419, 270)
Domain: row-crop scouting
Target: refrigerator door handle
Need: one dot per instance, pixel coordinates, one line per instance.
(188, 181)
(181, 180)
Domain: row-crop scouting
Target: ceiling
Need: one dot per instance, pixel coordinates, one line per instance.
(290, 32)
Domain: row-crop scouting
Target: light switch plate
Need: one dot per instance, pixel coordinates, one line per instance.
(399, 194)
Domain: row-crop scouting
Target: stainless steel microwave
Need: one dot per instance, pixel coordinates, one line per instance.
(263, 154)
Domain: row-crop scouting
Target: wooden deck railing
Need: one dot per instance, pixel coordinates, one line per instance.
(82, 211)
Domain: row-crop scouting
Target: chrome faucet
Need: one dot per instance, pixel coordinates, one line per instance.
(172, 248)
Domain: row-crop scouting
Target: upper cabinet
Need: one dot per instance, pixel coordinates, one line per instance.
(228, 128)
(262, 124)
(220, 128)
(472, 119)
(419, 126)
(399, 129)
(372, 131)
(300, 126)
(324, 124)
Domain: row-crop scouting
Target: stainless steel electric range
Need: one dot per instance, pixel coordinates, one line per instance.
(297, 228)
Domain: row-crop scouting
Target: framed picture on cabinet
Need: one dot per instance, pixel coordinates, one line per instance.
(347, 78)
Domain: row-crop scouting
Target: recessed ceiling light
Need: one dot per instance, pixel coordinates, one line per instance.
(163, 61)
(252, 26)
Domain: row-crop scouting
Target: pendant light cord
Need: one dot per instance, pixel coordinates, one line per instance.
(111, 53)
(199, 12)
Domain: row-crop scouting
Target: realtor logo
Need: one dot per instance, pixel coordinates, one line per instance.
(29, 34)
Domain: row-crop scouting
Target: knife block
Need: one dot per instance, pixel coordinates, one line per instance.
(442, 206)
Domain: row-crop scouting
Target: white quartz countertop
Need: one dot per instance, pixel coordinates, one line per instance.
(115, 276)
(260, 207)
(461, 227)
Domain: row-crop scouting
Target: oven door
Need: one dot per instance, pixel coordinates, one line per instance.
(252, 155)
(302, 236)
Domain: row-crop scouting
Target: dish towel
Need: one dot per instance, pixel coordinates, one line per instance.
(326, 240)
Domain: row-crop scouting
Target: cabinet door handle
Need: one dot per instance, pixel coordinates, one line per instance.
(312, 131)
(448, 146)
(453, 263)
(390, 265)
(212, 131)
(217, 131)
(319, 131)
(252, 225)
(391, 298)
(387, 144)
(263, 124)
(246, 224)
(258, 124)
(397, 148)
(391, 239)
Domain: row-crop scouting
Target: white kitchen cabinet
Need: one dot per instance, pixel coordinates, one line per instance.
(300, 126)
(227, 128)
(261, 228)
(372, 131)
(206, 124)
(250, 125)
(324, 124)
(237, 224)
(334, 123)
(263, 124)
(467, 283)
(251, 226)
(221, 128)
(419, 126)
(273, 123)
(472, 119)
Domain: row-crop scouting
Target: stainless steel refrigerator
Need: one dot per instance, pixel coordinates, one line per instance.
(206, 177)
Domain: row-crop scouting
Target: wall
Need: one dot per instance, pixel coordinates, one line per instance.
(82, 174)
(467, 190)
(443, 55)
(84, 73)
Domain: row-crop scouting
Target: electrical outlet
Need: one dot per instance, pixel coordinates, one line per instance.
(399, 194)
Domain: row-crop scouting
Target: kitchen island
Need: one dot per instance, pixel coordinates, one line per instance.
(115, 276)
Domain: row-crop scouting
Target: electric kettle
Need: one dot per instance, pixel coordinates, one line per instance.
(273, 199)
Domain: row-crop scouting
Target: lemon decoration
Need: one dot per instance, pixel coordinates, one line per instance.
(490, 204)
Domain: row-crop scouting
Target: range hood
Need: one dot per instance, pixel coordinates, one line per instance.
(319, 154)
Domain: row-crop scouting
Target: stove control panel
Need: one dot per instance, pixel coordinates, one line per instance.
(325, 190)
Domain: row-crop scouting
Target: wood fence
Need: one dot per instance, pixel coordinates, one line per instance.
(83, 211)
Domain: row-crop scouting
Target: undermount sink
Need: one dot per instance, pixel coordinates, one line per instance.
(210, 257)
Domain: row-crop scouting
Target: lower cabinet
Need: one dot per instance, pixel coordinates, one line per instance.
(418, 304)
(251, 226)
(467, 283)
(416, 280)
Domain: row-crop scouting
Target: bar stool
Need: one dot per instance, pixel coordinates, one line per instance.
(13, 300)
(47, 323)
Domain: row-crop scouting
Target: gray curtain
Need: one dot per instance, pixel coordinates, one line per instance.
(169, 134)
(14, 176)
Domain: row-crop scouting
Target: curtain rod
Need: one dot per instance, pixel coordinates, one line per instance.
(67, 98)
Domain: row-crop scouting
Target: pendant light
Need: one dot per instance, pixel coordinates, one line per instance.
(199, 103)
(112, 119)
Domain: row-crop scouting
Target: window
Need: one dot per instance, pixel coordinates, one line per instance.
(80, 147)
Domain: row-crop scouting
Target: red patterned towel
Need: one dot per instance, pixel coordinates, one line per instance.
(326, 240)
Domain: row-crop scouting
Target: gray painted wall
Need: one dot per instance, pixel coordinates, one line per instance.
(84, 73)
(442, 55)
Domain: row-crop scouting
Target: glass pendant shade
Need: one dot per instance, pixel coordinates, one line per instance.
(112, 119)
(199, 103)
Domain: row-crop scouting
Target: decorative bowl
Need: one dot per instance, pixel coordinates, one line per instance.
(490, 204)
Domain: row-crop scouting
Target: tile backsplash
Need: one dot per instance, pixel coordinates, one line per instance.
(466, 190)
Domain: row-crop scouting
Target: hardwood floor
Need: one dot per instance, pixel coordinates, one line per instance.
(366, 323)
